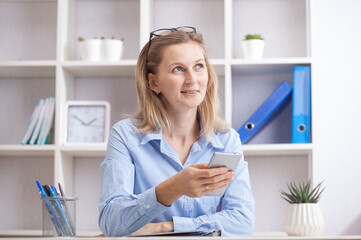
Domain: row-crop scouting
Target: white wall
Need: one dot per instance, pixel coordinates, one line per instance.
(336, 53)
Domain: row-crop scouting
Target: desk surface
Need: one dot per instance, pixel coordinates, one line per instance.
(202, 238)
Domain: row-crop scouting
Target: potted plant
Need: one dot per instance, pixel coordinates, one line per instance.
(101, 49)
(89, 49)
(112, 49)
(303, 216)
(253, 46)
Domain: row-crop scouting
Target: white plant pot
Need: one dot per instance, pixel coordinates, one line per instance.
(304, 220)
(112, 49)
(253, 48)
(90, 49)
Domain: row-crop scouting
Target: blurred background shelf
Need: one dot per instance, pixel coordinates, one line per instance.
(26, 150)
(89, 151)
(272, 61)
(277, 149)
(27, 69)
(121, 68)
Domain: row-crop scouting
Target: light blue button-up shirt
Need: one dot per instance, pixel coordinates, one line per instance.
(136, 163)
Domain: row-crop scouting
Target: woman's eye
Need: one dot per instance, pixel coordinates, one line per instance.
(177, 69)
(199, 66)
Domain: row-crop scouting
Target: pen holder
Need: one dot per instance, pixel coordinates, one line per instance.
(59, 216)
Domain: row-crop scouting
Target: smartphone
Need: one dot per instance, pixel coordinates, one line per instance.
(223, 159)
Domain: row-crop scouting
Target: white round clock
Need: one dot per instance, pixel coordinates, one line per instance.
(86, 122)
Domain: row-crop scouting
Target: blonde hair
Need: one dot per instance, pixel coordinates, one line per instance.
(152, 114)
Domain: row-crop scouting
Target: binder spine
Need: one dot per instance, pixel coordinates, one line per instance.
(301, 104)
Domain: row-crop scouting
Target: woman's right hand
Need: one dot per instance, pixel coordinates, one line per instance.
(193, 181)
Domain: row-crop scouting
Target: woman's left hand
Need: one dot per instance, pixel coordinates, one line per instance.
(155, 228)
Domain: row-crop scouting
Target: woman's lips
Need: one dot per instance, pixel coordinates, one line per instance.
(190, 91)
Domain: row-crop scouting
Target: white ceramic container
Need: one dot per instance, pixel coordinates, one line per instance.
(112, 49)
(304, 219)
(253, 48)
(90, 49)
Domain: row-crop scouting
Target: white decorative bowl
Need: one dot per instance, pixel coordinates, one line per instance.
(253, 48)
(112, 49)
(304, 219)
(90, 49)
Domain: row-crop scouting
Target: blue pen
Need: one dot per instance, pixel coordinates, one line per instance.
(59, 227)
(55, 190)
(66, 206)
(54, 194)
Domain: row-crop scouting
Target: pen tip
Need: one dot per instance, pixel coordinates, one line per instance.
(38, 183)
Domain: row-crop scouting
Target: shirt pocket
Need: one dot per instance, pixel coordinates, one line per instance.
(210, 204)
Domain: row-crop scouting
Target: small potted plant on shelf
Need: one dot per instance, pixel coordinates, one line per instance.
(253, 46)
(89, 49)
(303, 216)
(112, 49)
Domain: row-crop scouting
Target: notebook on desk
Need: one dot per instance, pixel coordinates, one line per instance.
(183, 234)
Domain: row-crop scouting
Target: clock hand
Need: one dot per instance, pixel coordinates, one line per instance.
(79, 119)
(91, 121)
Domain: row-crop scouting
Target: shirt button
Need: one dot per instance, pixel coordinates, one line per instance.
(187, 198)
(154, 211)
(148, 206)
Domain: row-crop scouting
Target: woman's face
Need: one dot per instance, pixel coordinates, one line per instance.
(182, 76)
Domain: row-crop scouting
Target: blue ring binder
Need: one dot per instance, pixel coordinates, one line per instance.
(266, 112)
(301, 104)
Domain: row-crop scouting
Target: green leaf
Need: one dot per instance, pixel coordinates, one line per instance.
(253, 36)
(287, 200)
(289, 196)
(299, 193)
(302, 193)
(292, 192)
(307, 194)
(316, 193)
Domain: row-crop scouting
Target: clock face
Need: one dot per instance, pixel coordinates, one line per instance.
(86, 124)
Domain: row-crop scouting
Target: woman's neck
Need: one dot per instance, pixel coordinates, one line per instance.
(184, 126)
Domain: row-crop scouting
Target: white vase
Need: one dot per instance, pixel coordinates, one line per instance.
(90, 49)
(112, 49)
(304, 219)
(253, 48)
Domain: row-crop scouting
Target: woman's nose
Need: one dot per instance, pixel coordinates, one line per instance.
(190, 77)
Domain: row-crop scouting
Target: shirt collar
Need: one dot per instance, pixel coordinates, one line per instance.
(146, 137)
(202, 142)
(216, 142)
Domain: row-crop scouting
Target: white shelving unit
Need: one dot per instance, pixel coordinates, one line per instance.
(40, 58)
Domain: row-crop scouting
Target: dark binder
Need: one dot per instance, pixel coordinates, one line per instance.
(301, 104)
(266, 112)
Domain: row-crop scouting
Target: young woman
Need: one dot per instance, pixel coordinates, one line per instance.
(155, 176)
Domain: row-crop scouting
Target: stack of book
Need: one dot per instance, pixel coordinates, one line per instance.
(40, 123)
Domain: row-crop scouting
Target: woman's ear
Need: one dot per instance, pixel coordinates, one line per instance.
(152, 81)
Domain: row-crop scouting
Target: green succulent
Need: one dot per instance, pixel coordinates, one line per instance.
(302, 193)
(253, 36)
